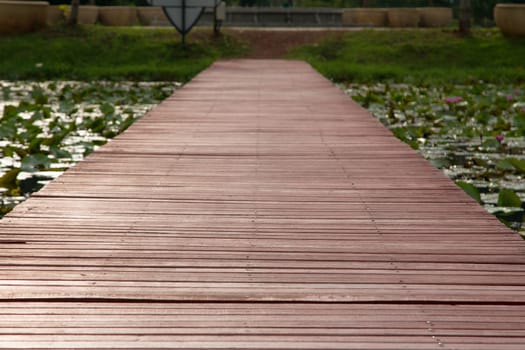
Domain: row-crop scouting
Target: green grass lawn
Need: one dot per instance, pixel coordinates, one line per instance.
(139, 53)
(418, 56)
(96, 52)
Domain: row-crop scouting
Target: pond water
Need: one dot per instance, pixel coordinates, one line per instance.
(46, 127)
(474, 133)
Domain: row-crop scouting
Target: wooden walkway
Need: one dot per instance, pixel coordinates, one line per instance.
(258, 208)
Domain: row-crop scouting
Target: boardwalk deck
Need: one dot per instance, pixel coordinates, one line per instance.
(258, 208)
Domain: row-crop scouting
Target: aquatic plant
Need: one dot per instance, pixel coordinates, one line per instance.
(474, 133)
(47, 127)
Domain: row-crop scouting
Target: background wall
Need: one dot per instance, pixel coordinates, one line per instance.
(482, 9)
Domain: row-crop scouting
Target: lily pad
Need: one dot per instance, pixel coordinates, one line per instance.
(505, 164)
(508, 198)
(8, 180)
(470, 189)
(519, 164)
(34, 162)
(477, 139)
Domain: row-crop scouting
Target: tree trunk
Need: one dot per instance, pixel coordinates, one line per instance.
(364, 3)
(73, 16)
(465, 13)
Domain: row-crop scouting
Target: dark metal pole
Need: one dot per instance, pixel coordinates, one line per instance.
(184, 23)
(465, 13)
(215, 24)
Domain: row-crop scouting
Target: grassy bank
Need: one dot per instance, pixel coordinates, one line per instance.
(413, 56)
(418, 56)
(95, 53)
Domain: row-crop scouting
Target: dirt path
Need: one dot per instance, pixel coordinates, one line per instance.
(276, 43)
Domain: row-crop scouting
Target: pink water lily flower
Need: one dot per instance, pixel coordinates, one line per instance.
(500, 138)
(454, 99)
(510, 98)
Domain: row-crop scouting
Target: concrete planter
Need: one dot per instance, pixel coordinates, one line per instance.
(435, 16)
(55, 15)
(403, 17)
(365, 17)
(510, 18)
(22, 16)
(152, 16)
(118, 16)
(87, 14)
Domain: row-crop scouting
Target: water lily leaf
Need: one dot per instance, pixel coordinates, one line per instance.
(107, 109)
(67, 107)
(59, 153)
(34, 145)
(505, 164)
(29, 134)
(491, 143)
(126, 124)
(88, 147)
(508, 198)
(406, 135)
(20, 152)
(483, 118)
(470, 189)
(35, 162)
(8, 180)
(4, 209)
(97, 125)
(8, 151)
(519, 122)
(39, 96)
(479, 162)
(518, 164)
(7, 130)
(59, 134)
(440, 163)
(10, 111)
(6, 93)
(109, 134)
